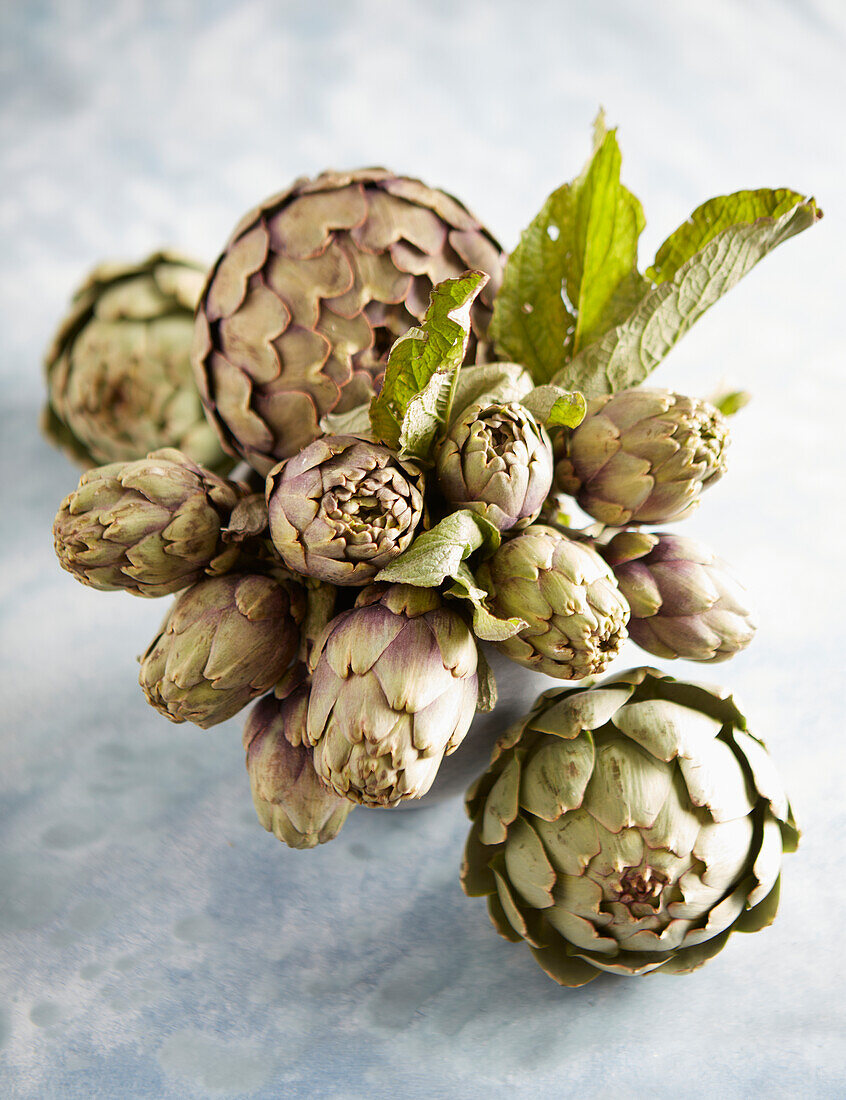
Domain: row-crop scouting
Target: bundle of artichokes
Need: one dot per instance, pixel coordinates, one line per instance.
(416, 418)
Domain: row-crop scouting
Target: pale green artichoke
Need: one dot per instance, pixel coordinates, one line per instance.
(226, 641)
(685, 601)
(119, 378)
(628, 827)
(343, 508)
(291, 801)
(394, 690)
(311, 291)
(566, 594)
(642, 456)
(497, 461)
(149, 527)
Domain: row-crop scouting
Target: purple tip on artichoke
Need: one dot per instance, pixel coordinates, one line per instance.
(642, 456)
(394, 690)
(343, 508)
(497, 461)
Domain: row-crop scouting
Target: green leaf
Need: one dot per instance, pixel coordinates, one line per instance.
(731, 402)
(563, 283)
(490, 384)
(354, 422)
(487, 697)
(627, 354)
(436, 348)
(438, 554)
(712, 218)
(486, 625)
(554, 407)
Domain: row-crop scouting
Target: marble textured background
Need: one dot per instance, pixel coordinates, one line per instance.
(154, 941)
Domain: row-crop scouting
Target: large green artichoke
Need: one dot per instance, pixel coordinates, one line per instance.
(684, 600)
(343, 508)
(313, 288)
(149, 527)
(291, 801)
(497, 461)
(119, 376)
(226, 641)
(567, 595)
(642, 456)
(394, 691)
(628, 827)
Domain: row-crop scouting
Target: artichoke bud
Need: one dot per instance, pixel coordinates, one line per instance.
(119, 375)
(685, 601)
(566, 593)
(301, 309)
(343, 509)
(497, 461)
(394, 690)
(291, 800)
(642, 456)
(150, 527)
(628, 827)
(226, 641)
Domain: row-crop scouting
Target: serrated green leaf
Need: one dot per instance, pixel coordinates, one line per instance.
(353, 422)
(627, 354)
(437, 346)
(438, 554)
(712, 218)
(562, 283)
(489, 384)
(486, 626)
(426, 412)
(554, 407)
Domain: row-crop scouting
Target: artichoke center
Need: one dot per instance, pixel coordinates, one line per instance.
(639, 885)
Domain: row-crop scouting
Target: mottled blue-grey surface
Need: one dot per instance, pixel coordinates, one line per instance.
(154, 941)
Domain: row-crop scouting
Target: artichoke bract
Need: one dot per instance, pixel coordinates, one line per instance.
(628, 827)
(119, 375)
(226, 641)
(291, 801)
(497, 461)
(685, 601)
(394, 690)
(313, 288)
(343, 508)
(150, 527)
(566, 593)
(642, 456)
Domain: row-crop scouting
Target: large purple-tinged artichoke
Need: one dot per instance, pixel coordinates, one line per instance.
(394, 691)
(343, 509)
(226, 641)
(642, 456)
(685, 601)
(629, 827)
(497, 461)
(314, 286)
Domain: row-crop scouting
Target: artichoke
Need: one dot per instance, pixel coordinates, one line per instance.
(564, 591)
(300, 311)
(394, 691)
(642, 456)
(119, 376)
(226, 641)
(149, 527)
(497, 461)
(291, 801)
(343, 508)
(684, 600)
(628, 827)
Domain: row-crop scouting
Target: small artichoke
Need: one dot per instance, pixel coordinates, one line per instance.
(149, 527)
(119, 375)
(684, 600)
(497, 461)
(315, 285)
(226, 641)
(628, 827)
(567, 595)
(291, 801)
(394, 691)
(642, 456)
(343, 508)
